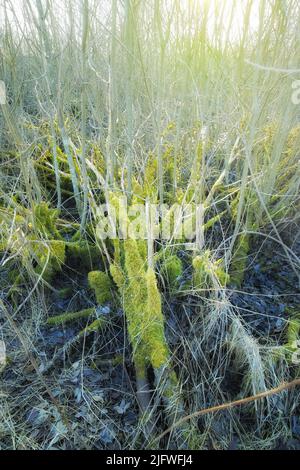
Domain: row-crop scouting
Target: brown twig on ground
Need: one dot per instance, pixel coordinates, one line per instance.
(225, 406)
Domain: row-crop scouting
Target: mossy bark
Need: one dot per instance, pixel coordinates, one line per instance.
(70, 316)
(142, 304)
(145, 322)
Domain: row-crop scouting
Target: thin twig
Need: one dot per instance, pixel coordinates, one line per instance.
(225, 406)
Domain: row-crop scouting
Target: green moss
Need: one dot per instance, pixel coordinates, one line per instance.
(142, 247)
(293, 330)
(239, 260)
(64, 293)
(15, 294)
(45, 220)
(135, 298)
(49, 257)
(153, 328)
(200, 277)
(171, 385)
(77, 237)
(71, 316)
(142, 304)
(14, 276)
(141, 300)
(117, 275)
(100, 282)
(206, 271)
(82, 255)
(38, 243)
(171, 269)
(287, 350)
(96, 325)
(147, 188)
(118, 360)
(213, 220)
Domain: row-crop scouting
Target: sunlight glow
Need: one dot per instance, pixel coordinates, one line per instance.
(227, 16)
